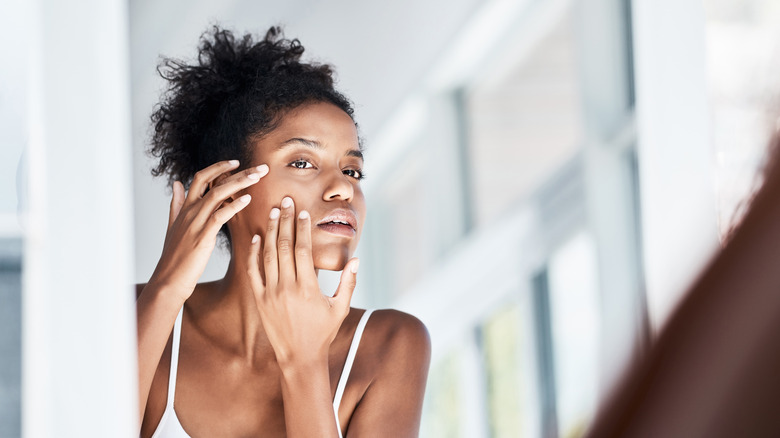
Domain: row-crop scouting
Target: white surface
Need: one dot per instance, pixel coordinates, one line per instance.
(79, 362)
(13, 111)
(675, 153)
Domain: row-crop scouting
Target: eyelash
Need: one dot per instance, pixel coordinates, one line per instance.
(360, 172)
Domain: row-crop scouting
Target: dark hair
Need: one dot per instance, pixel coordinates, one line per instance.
(237, 90)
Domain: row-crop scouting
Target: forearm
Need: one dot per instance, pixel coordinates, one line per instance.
(308, 409)
(156, 313)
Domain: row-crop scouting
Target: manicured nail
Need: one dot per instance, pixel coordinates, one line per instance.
(233, 162)
(254, 176)
(303, 214)
(255, 239)
(287, 202)
(354, 266)
(275, 213)
(262, 169)
(245, 198)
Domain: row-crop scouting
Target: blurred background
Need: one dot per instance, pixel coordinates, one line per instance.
(545, 177)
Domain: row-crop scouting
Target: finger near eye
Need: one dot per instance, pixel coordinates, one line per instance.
(203, 177)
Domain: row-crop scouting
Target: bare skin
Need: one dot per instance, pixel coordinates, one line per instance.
(262, 349)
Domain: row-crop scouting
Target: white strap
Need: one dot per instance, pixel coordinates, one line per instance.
(348, 365)
(174, 358)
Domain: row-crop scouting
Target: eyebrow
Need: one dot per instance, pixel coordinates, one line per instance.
(314, 144)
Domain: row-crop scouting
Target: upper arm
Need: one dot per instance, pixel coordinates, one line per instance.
(392, 403)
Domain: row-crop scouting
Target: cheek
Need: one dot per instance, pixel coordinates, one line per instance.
(268, 194)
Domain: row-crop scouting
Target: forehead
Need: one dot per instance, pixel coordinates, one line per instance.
(321, 122)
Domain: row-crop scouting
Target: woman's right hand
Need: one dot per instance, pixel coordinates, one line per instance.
(195, 220)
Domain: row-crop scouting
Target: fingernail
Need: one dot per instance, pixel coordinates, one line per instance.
(262, 169)
(255, 239)
(354, 266)
(254, 176)
(287, 202)
(245, 198)
(275, 213)
(303, 215)
(233, 162)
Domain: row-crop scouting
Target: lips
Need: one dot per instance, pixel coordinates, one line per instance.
(340, 221)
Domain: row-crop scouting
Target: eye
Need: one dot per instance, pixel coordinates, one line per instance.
(301, 164)
(355, 173)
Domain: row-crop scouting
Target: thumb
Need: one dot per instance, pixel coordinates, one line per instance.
(177, 201)
(347, 282)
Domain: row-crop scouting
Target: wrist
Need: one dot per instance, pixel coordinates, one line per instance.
(292, 366)
(166, 293)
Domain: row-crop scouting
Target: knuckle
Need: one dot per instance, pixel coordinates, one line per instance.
(284, 244)
(286, 214)
(302, 252)
(197, 178)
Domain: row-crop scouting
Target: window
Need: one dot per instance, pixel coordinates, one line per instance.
(524, 124)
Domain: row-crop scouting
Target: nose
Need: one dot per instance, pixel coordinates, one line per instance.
(338, 186)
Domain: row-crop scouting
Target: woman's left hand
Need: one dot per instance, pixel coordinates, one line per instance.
(299, 320)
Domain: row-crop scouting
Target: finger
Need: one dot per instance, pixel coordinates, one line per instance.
(304, 264)
(347, 283)
(253, 264)
(270, 260)
(221, 216)
(285, 244)
(232, 184)
(201, 179)
(177, 200)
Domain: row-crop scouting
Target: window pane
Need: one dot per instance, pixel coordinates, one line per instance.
(501, 341)
(574, 299)
(525, 125)
(441, 412)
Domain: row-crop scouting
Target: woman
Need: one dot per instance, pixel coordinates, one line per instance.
(273, 161)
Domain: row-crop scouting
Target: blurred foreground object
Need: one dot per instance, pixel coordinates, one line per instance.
(713, 370)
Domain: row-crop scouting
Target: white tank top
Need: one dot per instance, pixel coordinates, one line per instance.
(170, 427)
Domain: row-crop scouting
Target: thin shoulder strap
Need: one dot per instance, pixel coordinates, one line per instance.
(348, 364)
(174, 359)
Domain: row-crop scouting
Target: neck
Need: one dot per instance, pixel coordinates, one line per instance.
(232, 310)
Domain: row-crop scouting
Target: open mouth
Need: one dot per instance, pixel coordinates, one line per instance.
(339, 228)
(342, 222)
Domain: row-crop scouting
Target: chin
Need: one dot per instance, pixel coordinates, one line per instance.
(331, 259)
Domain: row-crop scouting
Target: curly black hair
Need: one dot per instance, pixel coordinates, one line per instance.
(236, 91)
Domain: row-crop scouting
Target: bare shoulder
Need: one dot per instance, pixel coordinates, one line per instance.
(394, 372)
(399, 335)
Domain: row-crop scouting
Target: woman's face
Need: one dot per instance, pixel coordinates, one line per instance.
(313, 157)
